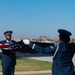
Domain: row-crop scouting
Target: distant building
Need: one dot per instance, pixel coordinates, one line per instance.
(55, 40)
(43, 39)
(72, 40)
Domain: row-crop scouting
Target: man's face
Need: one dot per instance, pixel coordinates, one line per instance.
(8, 37)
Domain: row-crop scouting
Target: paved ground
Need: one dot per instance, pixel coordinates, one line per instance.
(47, 58)
(41, 57)
(31, 72)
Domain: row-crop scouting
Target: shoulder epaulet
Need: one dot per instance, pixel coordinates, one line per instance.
(3, 41)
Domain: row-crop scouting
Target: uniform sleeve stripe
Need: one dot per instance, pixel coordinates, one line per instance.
(33, 46)
(56, 50)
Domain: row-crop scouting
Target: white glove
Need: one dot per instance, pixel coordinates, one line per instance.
(26, 41)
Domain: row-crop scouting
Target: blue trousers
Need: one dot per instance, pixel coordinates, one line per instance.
(8, 70)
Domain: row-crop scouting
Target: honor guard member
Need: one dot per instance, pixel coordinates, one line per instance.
(62, 52)
(8, 56)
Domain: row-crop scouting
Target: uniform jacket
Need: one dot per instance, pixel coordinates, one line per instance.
(8, 58)
(62, 61)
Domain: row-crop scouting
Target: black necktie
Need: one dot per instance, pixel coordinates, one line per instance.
(9, 42)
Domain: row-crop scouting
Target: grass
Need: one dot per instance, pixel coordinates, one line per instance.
(25, 64)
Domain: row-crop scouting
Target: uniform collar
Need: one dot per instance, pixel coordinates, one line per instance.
(8, 41)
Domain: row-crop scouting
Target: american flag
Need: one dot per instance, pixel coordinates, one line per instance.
(13, 46)
(4, 46)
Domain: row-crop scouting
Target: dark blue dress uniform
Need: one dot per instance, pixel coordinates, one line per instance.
(8, 59)
(62, 52)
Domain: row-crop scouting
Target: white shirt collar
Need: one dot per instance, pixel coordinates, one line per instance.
(8, 41)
